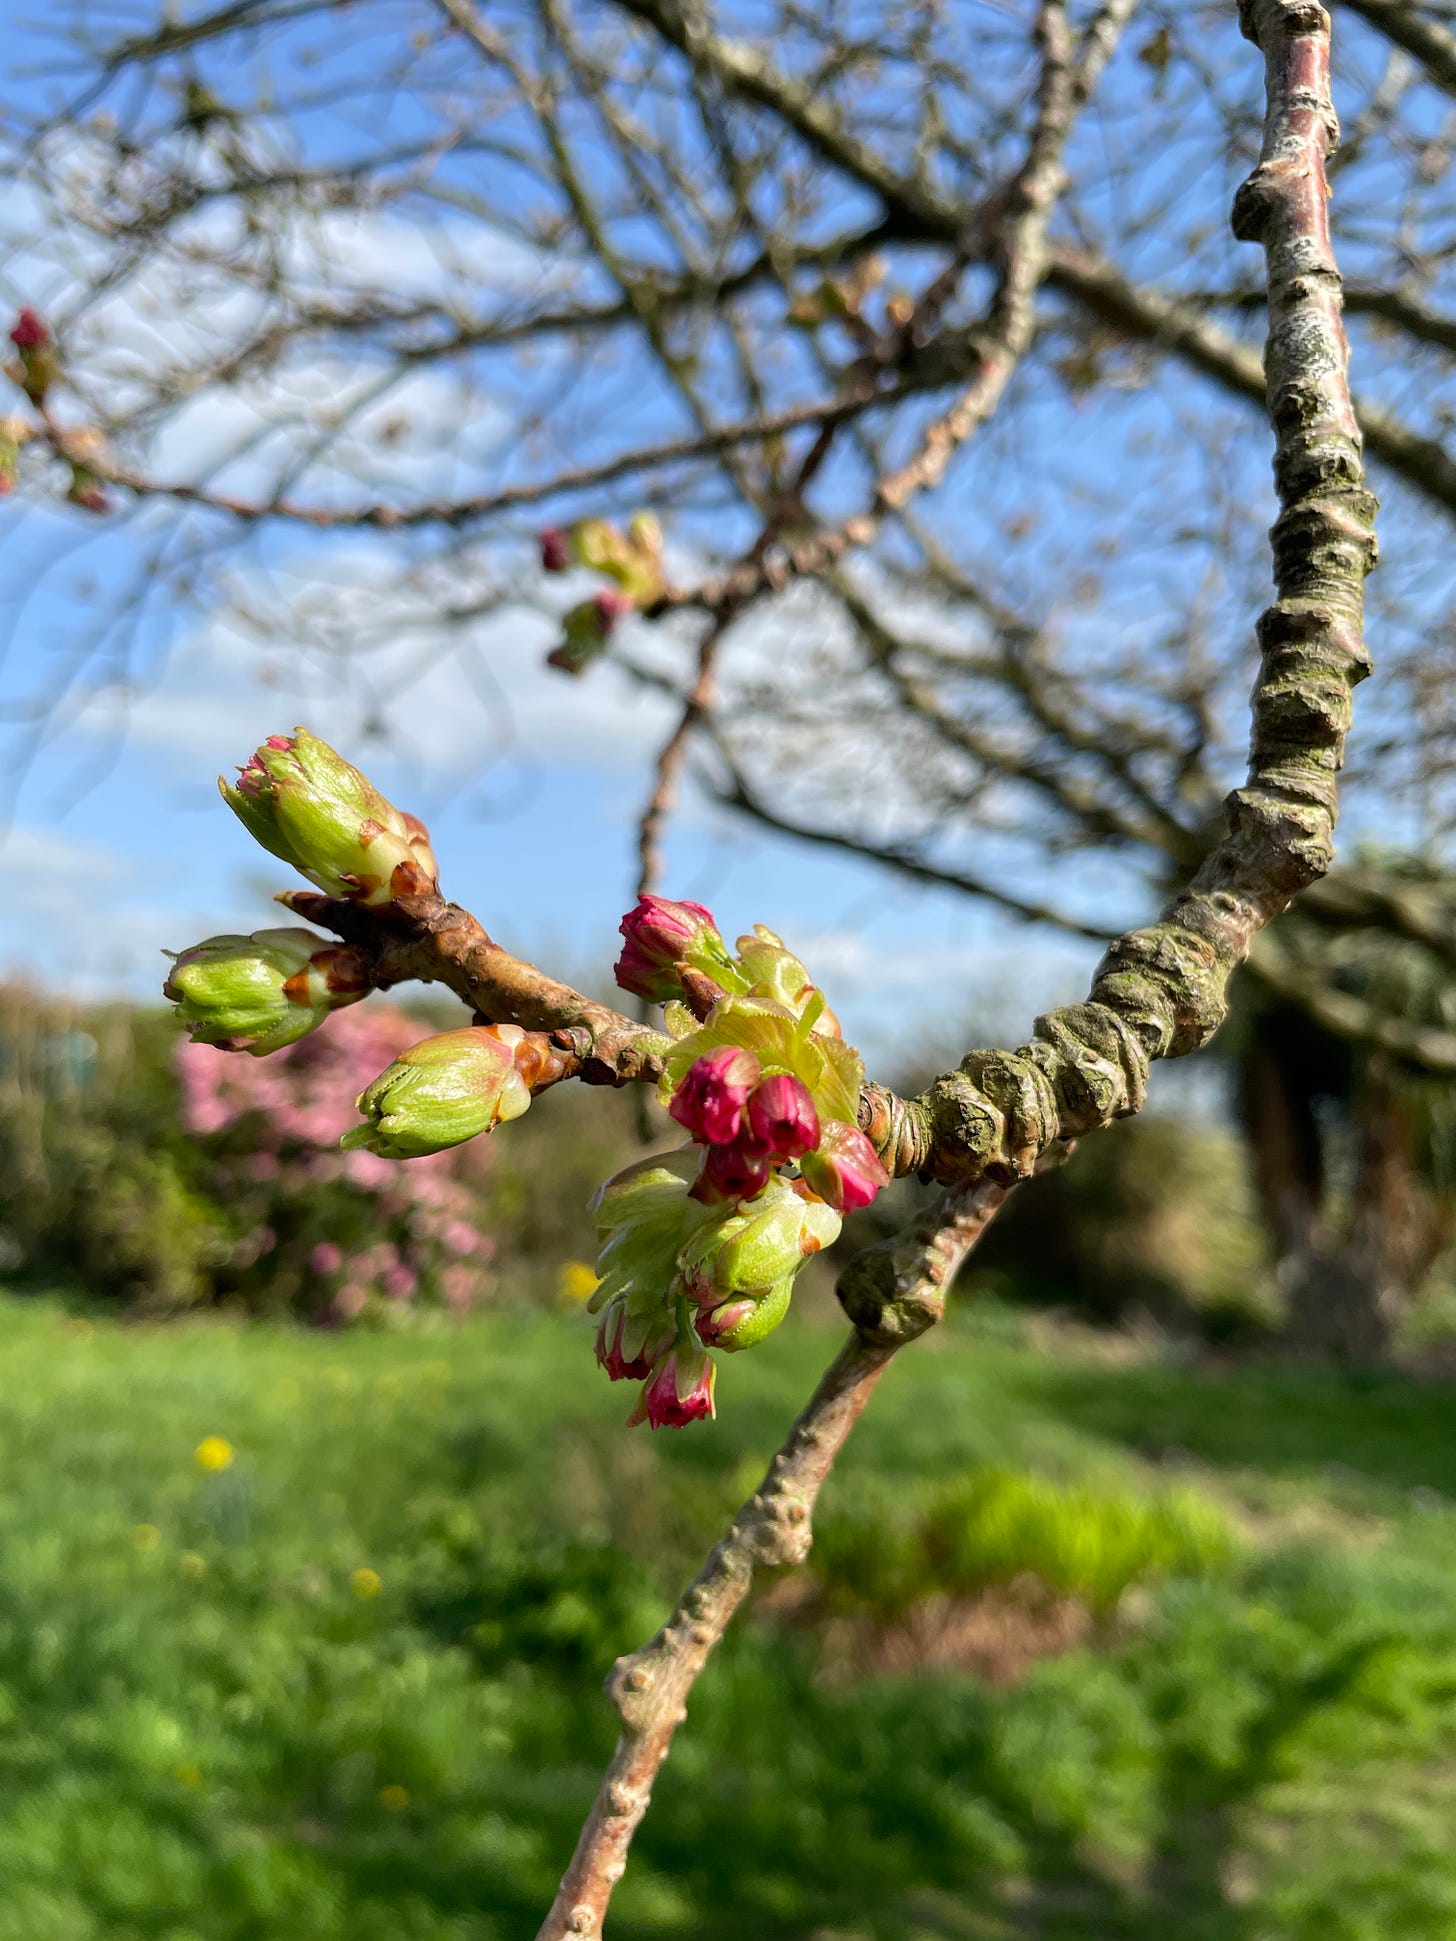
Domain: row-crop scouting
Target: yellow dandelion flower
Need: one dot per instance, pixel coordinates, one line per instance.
(214, 1453)
(575, 1284)
(193, 1566)
(146, 1536)
(394, 1799)
(366, 1583)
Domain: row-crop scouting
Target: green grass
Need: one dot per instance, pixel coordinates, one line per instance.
(207, 1733)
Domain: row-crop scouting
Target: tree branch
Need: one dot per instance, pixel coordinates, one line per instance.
(650, 1687)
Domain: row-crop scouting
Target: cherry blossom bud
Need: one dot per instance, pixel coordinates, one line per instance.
(736, 1172)
(743, 1321)
(709, 1102)
(661, 935)
(845, 1171)
(441, 1092)
(37, 367)
(29, 332)
(680, 1391)
(630, 1345)
(555, 551)
(305, 804)
(262, 992)
(781, 1117)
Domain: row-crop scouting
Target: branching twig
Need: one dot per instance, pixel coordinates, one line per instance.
(650, 1687)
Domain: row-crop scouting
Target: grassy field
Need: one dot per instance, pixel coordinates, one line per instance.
(344, 1683)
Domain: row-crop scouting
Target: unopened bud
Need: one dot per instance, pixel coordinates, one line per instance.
(743, 1321)
(37, 367)
(441, 1092)
(555, 551)
(662, 935)
(845, 1170)
(782, 1120)
(262, 992)
(710, 1101)
(306, 805)
(736, 1172)
(680, 1390)
(630, 1344)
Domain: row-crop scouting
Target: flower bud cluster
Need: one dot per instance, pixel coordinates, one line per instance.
(632, 560)
(679, 1277)
(701, 1246)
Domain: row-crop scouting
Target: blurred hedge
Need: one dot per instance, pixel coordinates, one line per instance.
(140, 1169)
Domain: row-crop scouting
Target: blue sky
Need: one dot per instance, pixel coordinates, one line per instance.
(117, 844)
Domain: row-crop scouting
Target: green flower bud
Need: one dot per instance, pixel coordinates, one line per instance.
(306, 805)
(265, 991)
(750, 1250)
(441, 1092)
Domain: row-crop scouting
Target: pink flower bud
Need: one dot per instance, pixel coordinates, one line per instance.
(710, 1100)
(326, 1258)
(782, 1119)
(555, 550)
(736, 1172)
(681, 1389)
(659, 935)
(29, 332)
(712, 1324)
(624, 1358)
(846, 1170)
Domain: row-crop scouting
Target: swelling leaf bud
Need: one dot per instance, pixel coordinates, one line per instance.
(773, 971)
(441, 1092)
(262, 992)
(680, 1391)
(781, 1117)
(660, 937)
(710, 1100)
(845, 1171)
(306, 805)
